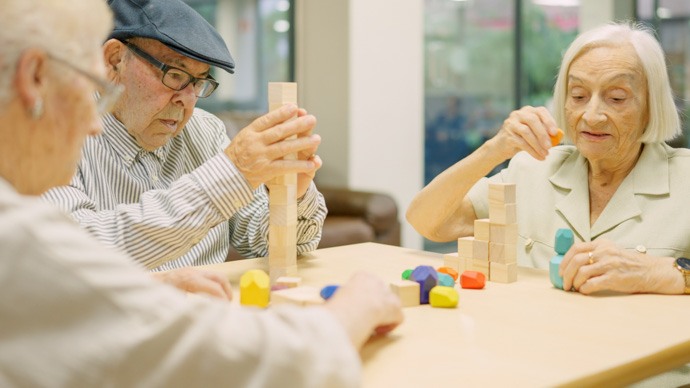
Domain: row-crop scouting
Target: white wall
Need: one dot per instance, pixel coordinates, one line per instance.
(359, 68)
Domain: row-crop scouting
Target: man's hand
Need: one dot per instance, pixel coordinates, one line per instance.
(197, 281)
(365, 305)
(258, 149)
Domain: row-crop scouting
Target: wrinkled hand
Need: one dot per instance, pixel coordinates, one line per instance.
(197, 281)
(617, 269)
(527, 129)
(365, 305)
(258, 149)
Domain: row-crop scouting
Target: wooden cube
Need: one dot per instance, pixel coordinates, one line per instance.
(302, 296)
(481, 266)
(502, 193)
(503, 214)
(482, 230)
(407, 291)
(502, 253)
(465, 245)
(503, 273)
(504, 234)
(480, 250)
(289, 282)
(282, 194)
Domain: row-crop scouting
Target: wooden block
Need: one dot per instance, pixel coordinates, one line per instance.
(327, 292)
(502, 253)
(503, 214)
(480, 250)
(407, 291)
(504, 234)
(465, 245)
(282, 214)
(278, 271)
(283, 251)
(287, 179)
(301, 296)
(481, 266)
(289, 282)
(503, 273)
(281, 93)
(472, 280)
(255, 288)
(482, 230)
(451, 271)
(445, 280)
(564, 239)
(427, 277)
(556, 139)
(282, 194)
(440, 296)
(502, 193)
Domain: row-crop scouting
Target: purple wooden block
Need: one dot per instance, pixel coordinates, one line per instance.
(427, 278)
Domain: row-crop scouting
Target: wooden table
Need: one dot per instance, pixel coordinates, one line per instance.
(521, 334)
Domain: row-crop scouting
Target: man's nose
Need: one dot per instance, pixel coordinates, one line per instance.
(185, 98)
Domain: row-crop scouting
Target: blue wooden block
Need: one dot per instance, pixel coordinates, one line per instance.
(564, 239)
(445, 280)
(328, 291)
(554, 263)
(427, 277)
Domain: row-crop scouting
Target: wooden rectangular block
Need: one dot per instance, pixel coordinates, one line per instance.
(503, 273)
(480, 250)
(282, 215)
(301, 296)
(288, 281)
(278, 271)
(287, 179)
(465, 245)
(504, 234)
(502, 253)
(282, 93)
(481, 266)
(407, 291)
(502, 193)
(482, 229)
(503, 214)
(456, 262)
(282, 194)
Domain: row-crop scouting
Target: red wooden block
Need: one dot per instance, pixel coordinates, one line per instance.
(472, 279)
(449, 271)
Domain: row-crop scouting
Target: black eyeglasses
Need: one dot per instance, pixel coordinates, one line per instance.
(174, 78)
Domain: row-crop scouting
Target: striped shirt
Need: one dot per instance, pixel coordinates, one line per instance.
(182, 204)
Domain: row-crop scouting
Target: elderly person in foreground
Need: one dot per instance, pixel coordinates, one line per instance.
(620, 189)
(77, 314)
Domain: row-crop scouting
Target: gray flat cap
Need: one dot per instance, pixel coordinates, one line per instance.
(174, 24)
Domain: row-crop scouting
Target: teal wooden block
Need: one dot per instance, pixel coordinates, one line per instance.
(564, 239)
(445, 280)
(554, 263)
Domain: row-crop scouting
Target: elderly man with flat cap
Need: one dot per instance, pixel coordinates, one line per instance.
(163, 182)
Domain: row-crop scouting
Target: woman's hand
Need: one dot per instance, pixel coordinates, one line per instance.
(602, 265)
(527, 129)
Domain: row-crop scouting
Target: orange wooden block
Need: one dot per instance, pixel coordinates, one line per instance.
(449, 271)
(556, 139)
(473, 280)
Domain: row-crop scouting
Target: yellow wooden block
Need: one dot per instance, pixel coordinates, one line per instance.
(407, 291)
(289, 282)
(465, 246)
(480, 250)
(302, 296)
(282, 194)
(503, 273)
(482, 230)
(503, 214)
(502, 193)
(502, 253)
(255, 288)
(443, 297)
(504, 234)
(480, 266)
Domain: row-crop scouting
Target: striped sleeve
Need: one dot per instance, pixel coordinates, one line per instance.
(249, 226)
(163, 224)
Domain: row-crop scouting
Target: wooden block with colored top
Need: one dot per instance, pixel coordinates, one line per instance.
(480, 250)
(502, 253)
(504, 234)
(465, 246)
(427, 277)
(481, 266)
(482, 229)
(277, 271)
(503, 273)
(443, 297)
(302, 296)
(472, 280)
(449, 271)
(255, 288)
(502, 193)
(503, 214)
(289, 282)
(407, 291)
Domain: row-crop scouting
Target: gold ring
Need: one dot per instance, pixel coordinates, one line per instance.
(591, 257)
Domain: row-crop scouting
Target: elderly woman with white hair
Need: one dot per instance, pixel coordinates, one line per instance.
(619, 187)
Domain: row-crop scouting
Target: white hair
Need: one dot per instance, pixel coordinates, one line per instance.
(68, 29)
(664, 122)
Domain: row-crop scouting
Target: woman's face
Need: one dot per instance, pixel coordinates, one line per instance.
(606, 104)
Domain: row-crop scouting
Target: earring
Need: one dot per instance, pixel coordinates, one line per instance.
(36, 111)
